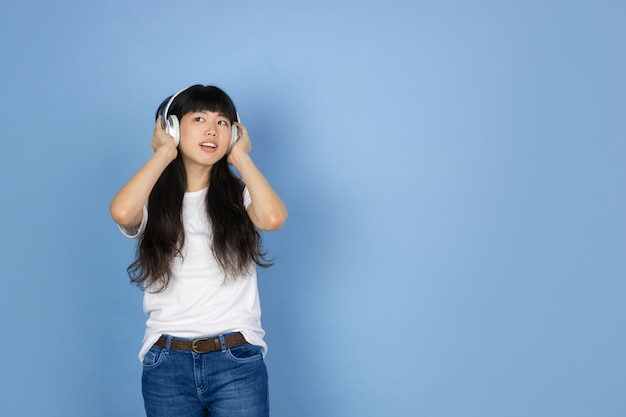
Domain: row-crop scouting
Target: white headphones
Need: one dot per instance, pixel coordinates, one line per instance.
(171, 124)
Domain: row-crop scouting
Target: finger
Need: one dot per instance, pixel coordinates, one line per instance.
(158, 122)
(241, 127)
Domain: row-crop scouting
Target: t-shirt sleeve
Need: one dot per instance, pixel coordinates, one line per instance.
(135, 232)
(247, 200)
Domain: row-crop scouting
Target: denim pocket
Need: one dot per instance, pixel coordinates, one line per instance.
(246, 353)
(153, 357)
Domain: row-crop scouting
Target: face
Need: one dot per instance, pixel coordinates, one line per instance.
(204, 137)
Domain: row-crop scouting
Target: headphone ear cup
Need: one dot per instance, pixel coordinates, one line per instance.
(234, 135)
(172, 128)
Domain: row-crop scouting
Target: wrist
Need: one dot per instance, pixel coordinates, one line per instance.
(166, 153)
(237, 159)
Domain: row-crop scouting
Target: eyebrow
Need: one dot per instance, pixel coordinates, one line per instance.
(220, 114)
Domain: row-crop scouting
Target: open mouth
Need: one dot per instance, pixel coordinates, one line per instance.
(208, 145)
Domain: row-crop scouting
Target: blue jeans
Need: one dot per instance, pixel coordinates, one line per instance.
(231, 382)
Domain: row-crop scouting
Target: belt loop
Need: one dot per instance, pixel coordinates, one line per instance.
(222, 342)
(168, 342)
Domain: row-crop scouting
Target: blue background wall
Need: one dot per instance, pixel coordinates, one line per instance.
(454, 173)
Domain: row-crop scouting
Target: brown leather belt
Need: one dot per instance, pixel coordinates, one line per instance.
(203, 345)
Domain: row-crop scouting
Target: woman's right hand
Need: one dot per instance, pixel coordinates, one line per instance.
(161, 140)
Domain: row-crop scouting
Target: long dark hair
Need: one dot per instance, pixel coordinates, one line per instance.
(236, 242)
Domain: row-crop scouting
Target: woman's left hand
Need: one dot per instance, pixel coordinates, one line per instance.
(242, 146)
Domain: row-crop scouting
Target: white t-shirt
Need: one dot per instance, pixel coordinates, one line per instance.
(199, 301)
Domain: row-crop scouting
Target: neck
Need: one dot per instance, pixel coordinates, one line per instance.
(198, 177)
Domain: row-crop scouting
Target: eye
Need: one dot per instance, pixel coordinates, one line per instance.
(198, 119)
(223, 122)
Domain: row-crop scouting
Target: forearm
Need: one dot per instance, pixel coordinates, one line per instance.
(127, 205)
(267, 211)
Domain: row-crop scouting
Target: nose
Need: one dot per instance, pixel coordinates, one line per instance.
(211, 130)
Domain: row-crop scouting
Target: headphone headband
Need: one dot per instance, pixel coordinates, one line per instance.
(166, 109)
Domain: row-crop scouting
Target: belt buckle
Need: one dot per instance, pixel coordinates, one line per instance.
(194, 345)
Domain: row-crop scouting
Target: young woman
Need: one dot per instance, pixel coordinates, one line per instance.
(198, 247)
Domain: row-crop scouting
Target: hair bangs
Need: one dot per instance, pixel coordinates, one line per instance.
(203, 98)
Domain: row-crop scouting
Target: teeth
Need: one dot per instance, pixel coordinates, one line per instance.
(212, 145)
